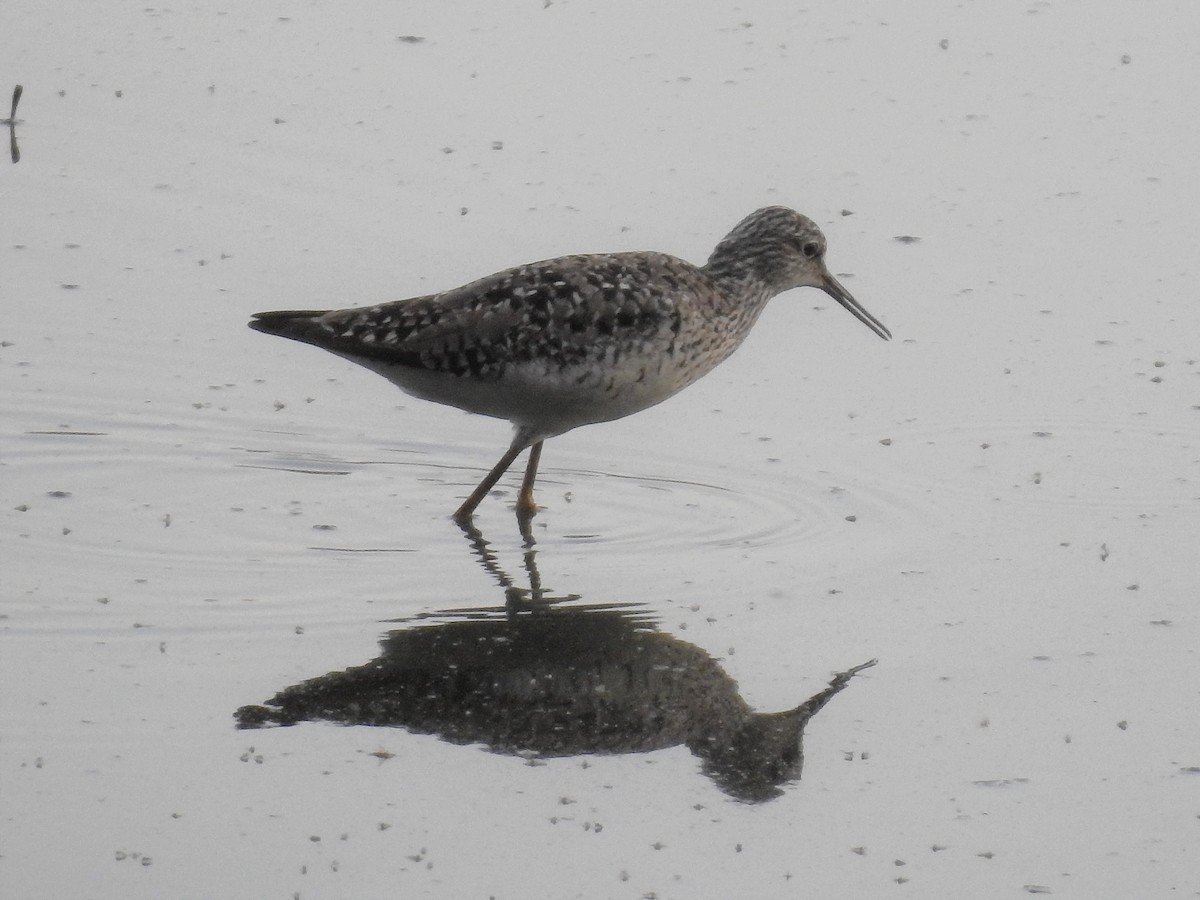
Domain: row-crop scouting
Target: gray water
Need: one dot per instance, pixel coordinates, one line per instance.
(1000, 505)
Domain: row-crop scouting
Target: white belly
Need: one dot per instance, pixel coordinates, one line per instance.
(543, 397)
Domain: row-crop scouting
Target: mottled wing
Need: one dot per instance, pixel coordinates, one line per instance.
(566, 311)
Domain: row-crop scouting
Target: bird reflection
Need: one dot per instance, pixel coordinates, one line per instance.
(543, 677)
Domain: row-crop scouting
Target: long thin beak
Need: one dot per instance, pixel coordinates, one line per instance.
(834, 289)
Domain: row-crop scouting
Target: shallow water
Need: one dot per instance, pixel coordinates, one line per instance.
(1001, 505)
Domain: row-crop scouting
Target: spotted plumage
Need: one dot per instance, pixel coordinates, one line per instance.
(565, 342)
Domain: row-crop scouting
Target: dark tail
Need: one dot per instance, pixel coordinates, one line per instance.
(297, 324)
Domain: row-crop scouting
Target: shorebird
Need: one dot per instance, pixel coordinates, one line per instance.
(576, 340)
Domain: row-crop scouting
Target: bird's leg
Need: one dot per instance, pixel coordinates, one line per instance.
(526, 506)
(467, 510)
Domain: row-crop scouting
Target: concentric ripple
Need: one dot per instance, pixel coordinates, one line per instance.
(641, 509)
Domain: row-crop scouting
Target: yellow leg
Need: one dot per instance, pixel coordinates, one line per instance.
(525, 503)
(467, 510)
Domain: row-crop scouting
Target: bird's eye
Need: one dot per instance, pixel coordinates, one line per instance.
(811, 249)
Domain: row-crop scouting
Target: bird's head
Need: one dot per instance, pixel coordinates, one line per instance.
(780, 249)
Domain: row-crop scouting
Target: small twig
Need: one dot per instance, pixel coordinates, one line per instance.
(12, 115)
(13, 150)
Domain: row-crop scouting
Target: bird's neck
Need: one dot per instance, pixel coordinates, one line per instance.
(740, 293)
